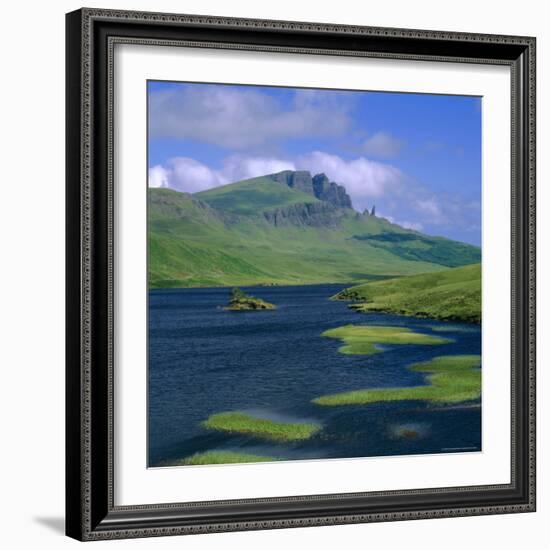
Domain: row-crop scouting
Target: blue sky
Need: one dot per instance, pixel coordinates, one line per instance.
(417, 157)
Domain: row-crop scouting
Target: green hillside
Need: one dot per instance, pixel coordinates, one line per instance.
(453, 294)
(422, 247)
(253, 196)
(261, 231)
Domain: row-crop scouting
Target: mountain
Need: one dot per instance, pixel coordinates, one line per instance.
(284, 228)
(452, 294)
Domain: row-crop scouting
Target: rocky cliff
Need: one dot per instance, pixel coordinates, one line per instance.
(319, 186)
(315, 214)
(329, 191)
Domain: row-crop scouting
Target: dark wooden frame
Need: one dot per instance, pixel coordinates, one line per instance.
(91, 36)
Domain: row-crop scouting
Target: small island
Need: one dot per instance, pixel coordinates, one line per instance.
(240, 301)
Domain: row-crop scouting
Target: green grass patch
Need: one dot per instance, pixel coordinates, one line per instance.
(451, 379)
(242, 423)
(451, 294)
(222, 457)
(362, 339)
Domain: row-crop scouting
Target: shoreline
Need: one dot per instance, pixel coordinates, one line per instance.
(409, 315)
(229, 287)
(350, 302)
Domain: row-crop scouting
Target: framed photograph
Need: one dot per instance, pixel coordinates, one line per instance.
(300, 274)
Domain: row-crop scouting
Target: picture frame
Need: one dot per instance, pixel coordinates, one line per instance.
(91, 329)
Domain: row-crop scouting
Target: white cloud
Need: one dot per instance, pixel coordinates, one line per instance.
(159, 176)
(191, 176)
(429, 206)
(244, 118)
(185, 174)
(415, 226)
(445, 211)
(382, 144)
(239, 167)
(364, 179)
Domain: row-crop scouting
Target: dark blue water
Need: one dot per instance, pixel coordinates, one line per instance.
(204, 360)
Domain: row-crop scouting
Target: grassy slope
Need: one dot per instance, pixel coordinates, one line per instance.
(451, 379)
(252, 196)
(415, 246)
(213, 239)
(453, 294)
